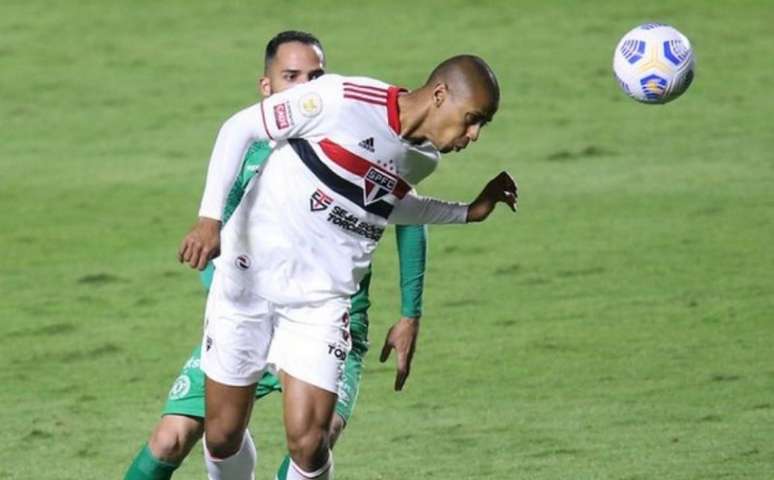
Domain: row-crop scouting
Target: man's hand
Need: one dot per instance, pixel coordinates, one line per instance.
(502, 188)
(201, 244)
(403, 338)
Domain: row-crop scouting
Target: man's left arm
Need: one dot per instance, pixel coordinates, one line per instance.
(412, 254)
(413, 209)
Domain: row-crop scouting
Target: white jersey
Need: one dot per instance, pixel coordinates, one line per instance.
(306, 229)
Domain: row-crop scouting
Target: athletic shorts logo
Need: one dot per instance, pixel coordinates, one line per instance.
(282, 116)
(377, 185)
(337, 352)
(310, 104)
(243, 262)
(319, 201)
(207, 343)
(180, 388)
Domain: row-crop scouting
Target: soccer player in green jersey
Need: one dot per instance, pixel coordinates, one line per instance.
(291, 58)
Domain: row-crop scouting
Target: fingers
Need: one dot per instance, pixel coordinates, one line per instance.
(386, 348)
(193, 253)
(205, 255)
(182, 252)
(510, 190)
(510, 200)
(404, 368)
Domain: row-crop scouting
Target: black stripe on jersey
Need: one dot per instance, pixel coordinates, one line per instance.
(342, 186)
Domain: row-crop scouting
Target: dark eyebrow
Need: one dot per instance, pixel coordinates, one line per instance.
(290, 70)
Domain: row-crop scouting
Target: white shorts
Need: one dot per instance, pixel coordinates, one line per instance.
(246, 336)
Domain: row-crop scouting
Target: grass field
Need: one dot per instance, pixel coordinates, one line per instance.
(618, 327)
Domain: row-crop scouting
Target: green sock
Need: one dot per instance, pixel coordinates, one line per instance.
(147, 467)
(282, 473)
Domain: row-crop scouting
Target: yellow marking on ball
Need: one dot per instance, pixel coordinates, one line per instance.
(654, 87)
(653, 62)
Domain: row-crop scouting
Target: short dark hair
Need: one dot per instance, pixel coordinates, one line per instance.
(287, 37)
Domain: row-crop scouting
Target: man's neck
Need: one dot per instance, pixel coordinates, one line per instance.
(413, 107)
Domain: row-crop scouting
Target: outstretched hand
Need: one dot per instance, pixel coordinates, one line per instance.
(502, 188)
(201, 244)
(403, 338)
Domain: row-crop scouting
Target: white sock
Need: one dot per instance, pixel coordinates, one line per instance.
(239, 466)
(295, 472)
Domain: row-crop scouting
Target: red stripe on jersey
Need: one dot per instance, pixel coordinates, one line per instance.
(365, 87)
(393, 112)
(266, 128)
(373, 100)
(368, 93)
(360, 166)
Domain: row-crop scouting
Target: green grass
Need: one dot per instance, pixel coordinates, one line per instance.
(618, 327)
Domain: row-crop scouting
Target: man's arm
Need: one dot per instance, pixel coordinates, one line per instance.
(302, 111)
(412, 258)
(234, 138)
(413, 209)
(412, 253)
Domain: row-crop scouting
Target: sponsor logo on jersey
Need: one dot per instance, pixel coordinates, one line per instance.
(310, 104)
(242, 262)
(337, 351)
(192, 364)
(346, 221)
(377, 184)
(282, 116)
(367, 144)
(319, 201)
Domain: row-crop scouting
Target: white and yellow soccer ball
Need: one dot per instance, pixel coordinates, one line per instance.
(654, 63)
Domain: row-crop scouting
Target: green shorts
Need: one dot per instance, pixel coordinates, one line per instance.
(186, 397)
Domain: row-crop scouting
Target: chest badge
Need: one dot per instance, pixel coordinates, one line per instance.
(377, 184)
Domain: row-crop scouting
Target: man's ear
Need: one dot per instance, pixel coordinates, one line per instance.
(440, 92)
(264, 86)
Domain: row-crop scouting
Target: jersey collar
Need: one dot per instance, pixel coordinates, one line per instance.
(393, 112)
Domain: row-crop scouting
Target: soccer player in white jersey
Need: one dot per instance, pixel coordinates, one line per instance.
(348, 150)
(291, 58)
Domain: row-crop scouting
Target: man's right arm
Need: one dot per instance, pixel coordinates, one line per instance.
(234, 138)
(295, 113)
(236, 135)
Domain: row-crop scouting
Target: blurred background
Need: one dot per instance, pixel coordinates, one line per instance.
(618, 327)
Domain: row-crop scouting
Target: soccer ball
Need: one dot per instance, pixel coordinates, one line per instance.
(653, 63)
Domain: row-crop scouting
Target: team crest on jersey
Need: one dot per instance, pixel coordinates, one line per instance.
(377, 185)
(310, 104)
(282, 116)
(319, 201)
(180, 388)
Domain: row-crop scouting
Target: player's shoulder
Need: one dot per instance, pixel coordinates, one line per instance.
(350, 84)
(421, 161)
(364, 82)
